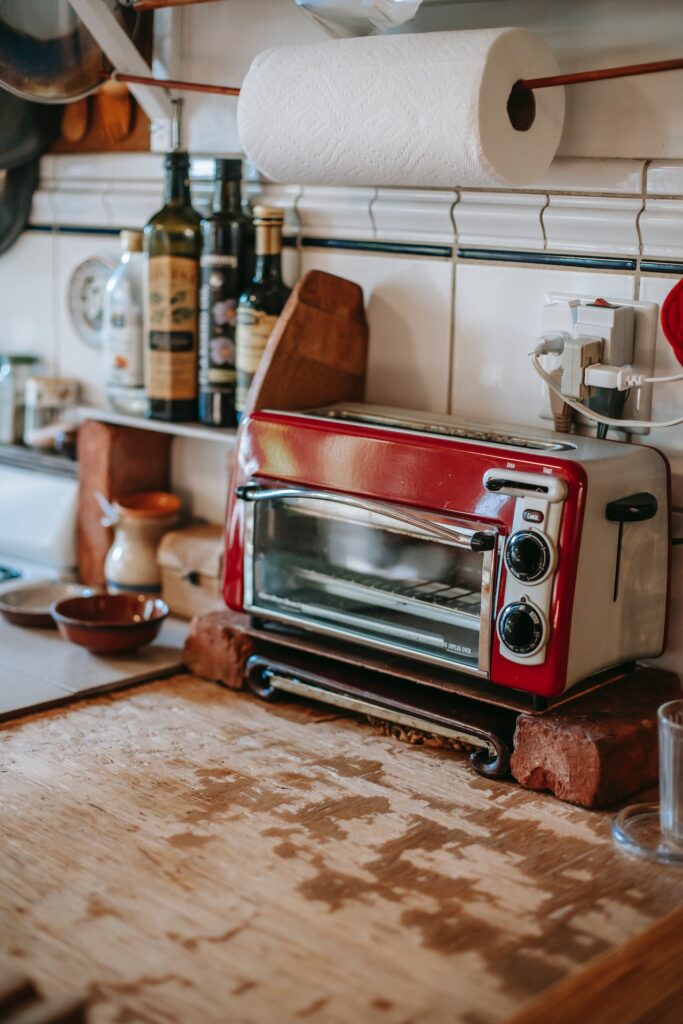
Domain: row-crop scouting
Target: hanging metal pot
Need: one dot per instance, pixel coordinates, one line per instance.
(26, 131)
(46, 52)
(16, 192)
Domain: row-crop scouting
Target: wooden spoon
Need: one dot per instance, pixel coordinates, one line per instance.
(115, 111)
(75, 119)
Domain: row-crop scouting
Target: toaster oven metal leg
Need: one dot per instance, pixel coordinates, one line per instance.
(269, 680)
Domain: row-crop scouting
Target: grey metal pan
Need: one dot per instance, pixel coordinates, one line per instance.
(47, 54)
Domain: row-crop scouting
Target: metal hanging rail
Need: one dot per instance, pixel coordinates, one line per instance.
(574, 78)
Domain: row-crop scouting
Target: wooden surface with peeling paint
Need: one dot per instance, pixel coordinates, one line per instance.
(183, 853)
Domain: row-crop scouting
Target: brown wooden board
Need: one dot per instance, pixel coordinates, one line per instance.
(640, 982)
(115, 461)
(184, 853)
(317, 353)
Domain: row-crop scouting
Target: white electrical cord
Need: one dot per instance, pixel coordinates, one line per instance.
(535, 355)
(657, 380)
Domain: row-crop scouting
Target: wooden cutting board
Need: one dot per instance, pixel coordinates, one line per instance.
(38, 669)
(317, 353)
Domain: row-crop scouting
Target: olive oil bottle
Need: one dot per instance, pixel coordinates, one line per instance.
(261, 304)
(224, 272)
(172, 244)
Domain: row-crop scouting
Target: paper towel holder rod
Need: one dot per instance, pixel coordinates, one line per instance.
(524, 85)
(172, 83)
(601, 74)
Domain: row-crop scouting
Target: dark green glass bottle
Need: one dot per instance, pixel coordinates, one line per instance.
(261, 304)
(222, 272)
(172, 243)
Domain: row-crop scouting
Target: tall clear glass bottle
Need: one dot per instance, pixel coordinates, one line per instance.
(123, 336)
(172, 244)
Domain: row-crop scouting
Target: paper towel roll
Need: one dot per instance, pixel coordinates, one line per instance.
(420, 110)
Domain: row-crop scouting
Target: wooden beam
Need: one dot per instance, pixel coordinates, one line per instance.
(625, 986)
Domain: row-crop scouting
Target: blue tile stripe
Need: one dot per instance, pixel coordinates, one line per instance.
(661, 267)
(544, 259)
(358, 245)
(547, 259)
(72, 229)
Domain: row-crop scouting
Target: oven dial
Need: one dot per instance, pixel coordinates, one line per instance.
(528, 556)
(521, 628)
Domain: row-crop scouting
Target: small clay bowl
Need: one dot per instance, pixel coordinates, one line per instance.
(28, 604)
(108, 623)
(149, 504)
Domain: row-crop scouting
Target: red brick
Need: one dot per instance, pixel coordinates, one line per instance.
(599, 748)
(217, 647)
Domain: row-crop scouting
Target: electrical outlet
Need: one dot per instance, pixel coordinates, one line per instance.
(561, 307)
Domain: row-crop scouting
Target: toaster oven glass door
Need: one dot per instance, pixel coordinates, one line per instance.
(383, 575)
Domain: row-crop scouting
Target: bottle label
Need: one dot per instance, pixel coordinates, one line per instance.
(124, 348)
(253, 331)
(172, 328)
(217, 321)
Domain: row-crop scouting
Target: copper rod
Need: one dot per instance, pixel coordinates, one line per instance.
(153, 5)
(173, 83)
(627, 71)
(574, 78)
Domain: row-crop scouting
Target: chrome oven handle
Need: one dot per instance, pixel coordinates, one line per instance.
(475, 540)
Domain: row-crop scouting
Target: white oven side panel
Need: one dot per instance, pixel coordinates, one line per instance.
(605, 632)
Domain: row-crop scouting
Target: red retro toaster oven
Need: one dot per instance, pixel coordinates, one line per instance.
(532, 560)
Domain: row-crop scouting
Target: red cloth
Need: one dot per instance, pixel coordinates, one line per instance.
(672, 319)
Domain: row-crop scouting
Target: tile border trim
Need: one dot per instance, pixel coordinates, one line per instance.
(395, 248)
(661, 267)
(547, 259)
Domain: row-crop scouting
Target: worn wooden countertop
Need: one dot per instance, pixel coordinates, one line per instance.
(184, 853)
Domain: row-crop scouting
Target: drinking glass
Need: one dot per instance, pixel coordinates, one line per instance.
(649, 830)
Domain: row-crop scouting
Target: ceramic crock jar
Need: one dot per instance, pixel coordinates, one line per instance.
(139, 521)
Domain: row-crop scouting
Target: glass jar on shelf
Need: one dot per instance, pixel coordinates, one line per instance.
(51, 410)
(15, 370)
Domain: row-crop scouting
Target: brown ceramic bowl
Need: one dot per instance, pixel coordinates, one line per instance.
(28, 604)
(107, 623)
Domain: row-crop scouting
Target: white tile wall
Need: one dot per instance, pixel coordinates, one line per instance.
(335, 212)
(199, 475)
(414, 215)
(497, 319)
(661, 228)
(75, 358)
(408, 303)
(665, 178)
(495, 220)
(27, 297)
(567, 174)
(594, 224)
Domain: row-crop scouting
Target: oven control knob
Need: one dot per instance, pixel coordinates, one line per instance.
(521, 628)
(528, 556)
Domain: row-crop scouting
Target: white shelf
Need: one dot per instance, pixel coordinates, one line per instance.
(198, 431)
